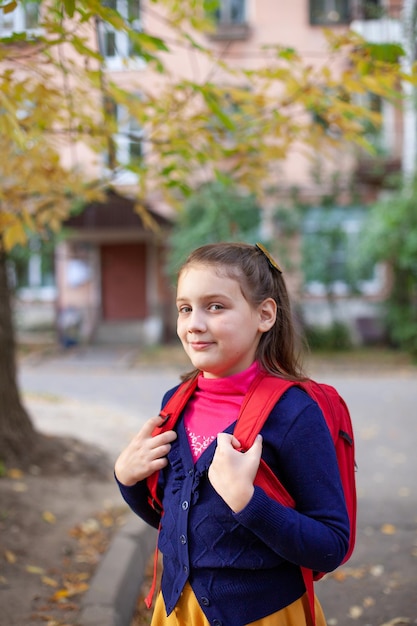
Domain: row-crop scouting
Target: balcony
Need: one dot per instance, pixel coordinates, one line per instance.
(230, 31)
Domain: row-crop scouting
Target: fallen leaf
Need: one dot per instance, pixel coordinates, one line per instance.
(33, 569)
(355, 612)
(49, 581)
(388, 529)
(10, 556)
(90, 526)
(15, 473)
(397, 621)
(59, 595)
(368, 601)
(107, 520)
(20, 487)
(69, 591)
(49, 517)
(377, 570)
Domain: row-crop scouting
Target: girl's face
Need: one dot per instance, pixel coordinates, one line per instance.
(218, 328)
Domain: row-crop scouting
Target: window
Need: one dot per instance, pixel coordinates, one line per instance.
(369, 9)
(24, 18)
(329, 12)
(231, 20)
(115, 45)
(231, 12)
(127, 147)
(330, 253)
(374, 133)
(32, 268)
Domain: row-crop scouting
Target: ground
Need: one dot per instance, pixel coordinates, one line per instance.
(57, 520)
(55, 523)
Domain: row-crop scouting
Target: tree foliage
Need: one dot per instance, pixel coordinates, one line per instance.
(389, 236)
(216, 212)
(194, 129)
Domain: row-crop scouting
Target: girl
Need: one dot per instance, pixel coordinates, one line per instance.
(231, 554)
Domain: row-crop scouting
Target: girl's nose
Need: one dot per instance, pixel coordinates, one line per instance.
(196, 323)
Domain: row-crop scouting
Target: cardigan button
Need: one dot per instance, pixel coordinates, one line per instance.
(205, 601)
(217, 622)
(183, 539)
(184, 505)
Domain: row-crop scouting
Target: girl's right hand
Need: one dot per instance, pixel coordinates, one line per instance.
(145, 454)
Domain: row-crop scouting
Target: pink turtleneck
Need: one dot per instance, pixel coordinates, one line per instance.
(214, 406)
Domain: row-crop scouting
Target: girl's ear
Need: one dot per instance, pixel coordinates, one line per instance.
(267, 314)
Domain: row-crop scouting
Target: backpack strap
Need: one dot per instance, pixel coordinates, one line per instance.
(259, 401)
(171, 412)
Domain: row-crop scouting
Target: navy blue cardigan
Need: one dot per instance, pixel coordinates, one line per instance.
(244, 566)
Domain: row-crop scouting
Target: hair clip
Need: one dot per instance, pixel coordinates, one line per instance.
(271, 261)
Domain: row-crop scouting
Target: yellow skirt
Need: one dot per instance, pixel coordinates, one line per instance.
(188, 613)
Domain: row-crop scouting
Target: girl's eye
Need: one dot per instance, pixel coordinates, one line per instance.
(215, 307)
(184, 309)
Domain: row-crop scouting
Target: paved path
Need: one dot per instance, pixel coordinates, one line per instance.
(98, 397)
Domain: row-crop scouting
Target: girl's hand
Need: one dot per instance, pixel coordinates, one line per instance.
(145, 454)
(232, 473)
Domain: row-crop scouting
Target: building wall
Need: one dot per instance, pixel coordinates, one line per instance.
(84, 284)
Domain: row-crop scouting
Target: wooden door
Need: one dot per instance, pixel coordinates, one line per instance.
(123, 280)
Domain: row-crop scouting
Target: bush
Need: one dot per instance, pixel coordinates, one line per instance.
(333, 338)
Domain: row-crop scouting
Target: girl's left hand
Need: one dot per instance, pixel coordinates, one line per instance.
(232, 473)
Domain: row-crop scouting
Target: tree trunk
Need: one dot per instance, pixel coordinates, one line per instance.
(18, 437)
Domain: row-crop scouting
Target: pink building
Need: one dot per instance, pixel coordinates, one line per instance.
(109, 280)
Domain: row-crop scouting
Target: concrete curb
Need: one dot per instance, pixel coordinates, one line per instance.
(112, 596)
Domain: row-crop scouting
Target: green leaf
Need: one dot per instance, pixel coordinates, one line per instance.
(218, 112)
(386, 52)
(69, 6)
(155, 43)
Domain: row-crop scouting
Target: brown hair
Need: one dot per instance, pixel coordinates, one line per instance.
(278, 350)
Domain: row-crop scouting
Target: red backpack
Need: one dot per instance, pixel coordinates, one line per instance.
(258, 403)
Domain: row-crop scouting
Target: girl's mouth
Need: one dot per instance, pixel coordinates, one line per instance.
(200, 345)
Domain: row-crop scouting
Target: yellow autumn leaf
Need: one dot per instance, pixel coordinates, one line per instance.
(33, 569)
(77, 588)
(15, 473)
(49, 517)
(13, 235)
(59, 595)
(5, 220)
(107, 520)
(388, 529)
(10, 556)
(69, 591)
(49, 581)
